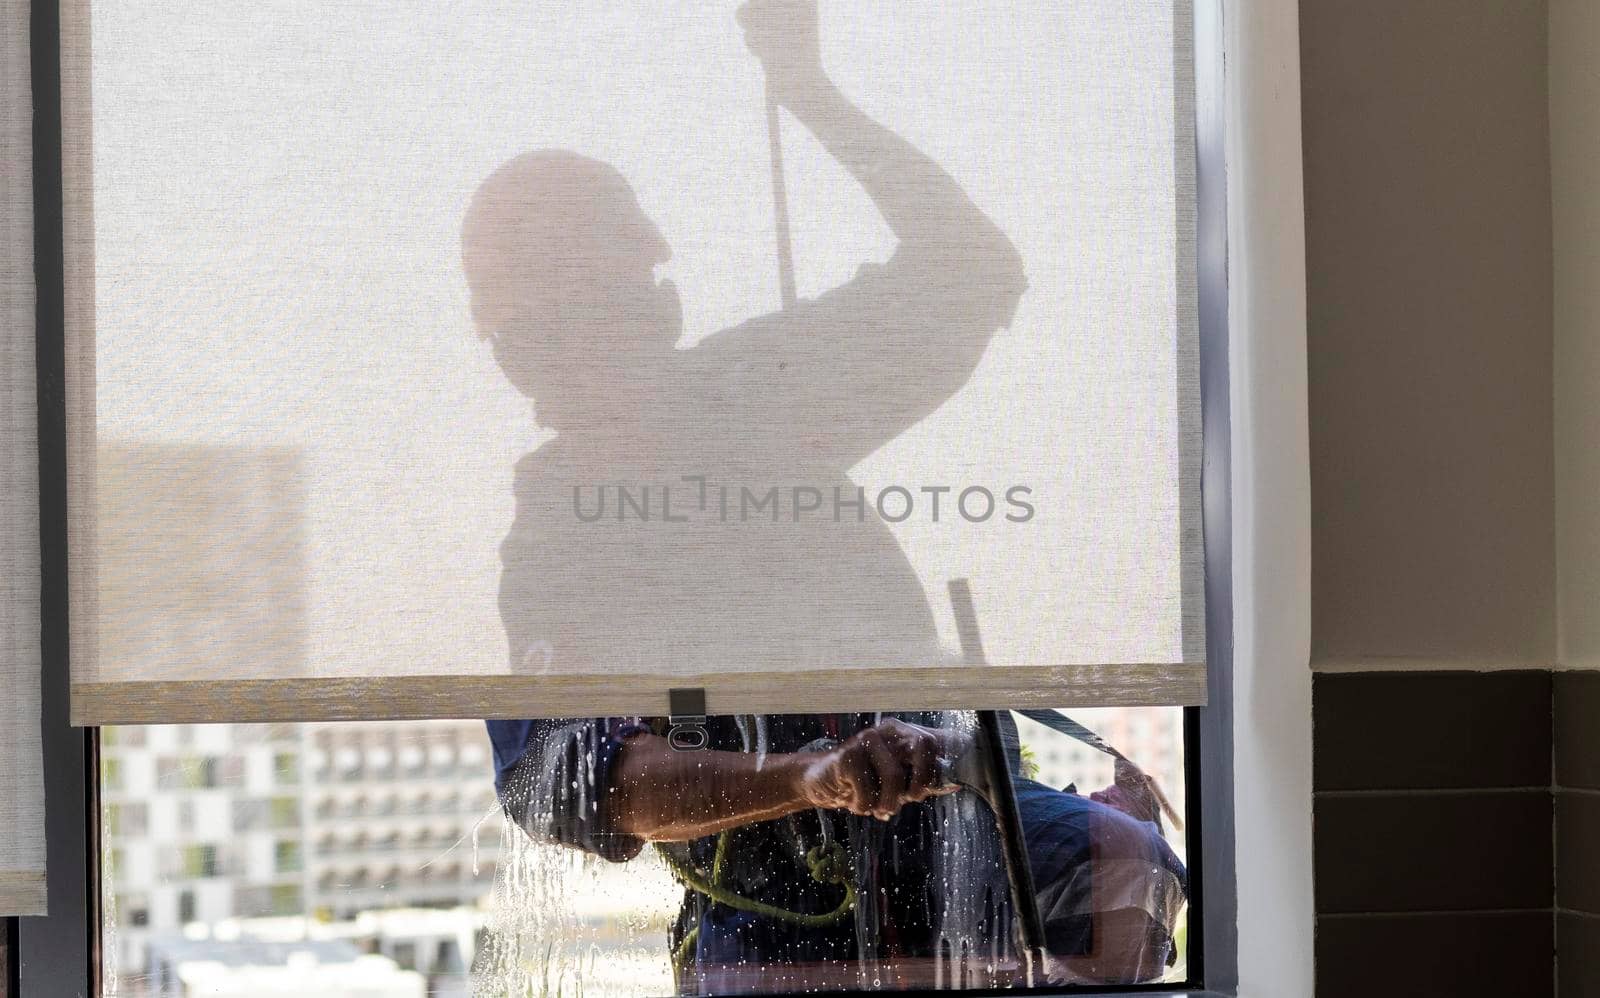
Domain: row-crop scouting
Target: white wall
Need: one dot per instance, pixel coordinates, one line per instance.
(1271, 501)
(1575, 192)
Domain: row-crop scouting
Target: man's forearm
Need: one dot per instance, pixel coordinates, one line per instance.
(663, 795)
(921, 202)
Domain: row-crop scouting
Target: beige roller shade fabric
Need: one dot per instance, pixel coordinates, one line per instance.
(22, 888)
(438, 360)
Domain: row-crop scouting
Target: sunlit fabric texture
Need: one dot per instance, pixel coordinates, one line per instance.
(22, 889)
(439, 359)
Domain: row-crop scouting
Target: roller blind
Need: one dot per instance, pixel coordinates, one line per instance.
(496, 360)
(22, 888)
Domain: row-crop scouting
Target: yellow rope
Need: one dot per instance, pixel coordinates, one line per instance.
(828, 865)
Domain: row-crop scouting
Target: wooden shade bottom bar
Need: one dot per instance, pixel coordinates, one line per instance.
(22, 892)
(415, 697)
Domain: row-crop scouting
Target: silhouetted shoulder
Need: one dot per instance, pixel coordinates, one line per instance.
(846, 372)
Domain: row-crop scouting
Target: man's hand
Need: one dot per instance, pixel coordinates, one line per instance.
(882, 769)
(783, 34)
(668, 796)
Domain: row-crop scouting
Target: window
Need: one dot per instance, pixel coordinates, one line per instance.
(286, 900)
(286, 768)
(254, 814)
(283, 812)
(405, 954)
(134, 911)
(453, 766)
(394, 882)
(199, 861)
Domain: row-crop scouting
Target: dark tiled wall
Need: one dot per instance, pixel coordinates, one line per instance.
(1433, 835)
(1577, 739)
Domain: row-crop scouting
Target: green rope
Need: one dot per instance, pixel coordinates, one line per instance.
(720, 857)
(828, 865)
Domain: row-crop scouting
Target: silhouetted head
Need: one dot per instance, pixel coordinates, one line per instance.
(560, 262)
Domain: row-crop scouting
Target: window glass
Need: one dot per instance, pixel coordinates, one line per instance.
(390, 860)
(286, 767)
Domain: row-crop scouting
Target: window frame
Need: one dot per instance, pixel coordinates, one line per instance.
(60, 953)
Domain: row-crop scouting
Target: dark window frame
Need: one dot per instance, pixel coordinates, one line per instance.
(60, 953)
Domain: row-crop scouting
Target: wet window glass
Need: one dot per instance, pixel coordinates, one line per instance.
(788, 853)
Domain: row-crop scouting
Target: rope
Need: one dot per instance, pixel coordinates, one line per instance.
(827, 864)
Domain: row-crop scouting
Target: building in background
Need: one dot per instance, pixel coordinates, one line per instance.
(252, 968)
(205, 823)
(1150, 736)
(398, 814)
(330, 826)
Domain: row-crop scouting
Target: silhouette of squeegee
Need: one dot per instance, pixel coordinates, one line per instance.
(989, 773)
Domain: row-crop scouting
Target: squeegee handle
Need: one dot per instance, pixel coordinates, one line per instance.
(780, 203)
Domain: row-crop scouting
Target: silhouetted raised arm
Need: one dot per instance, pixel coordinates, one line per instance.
(852, 369)
(929, 213)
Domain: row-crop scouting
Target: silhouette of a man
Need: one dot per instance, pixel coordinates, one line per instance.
(561, 261)
(783, 563)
